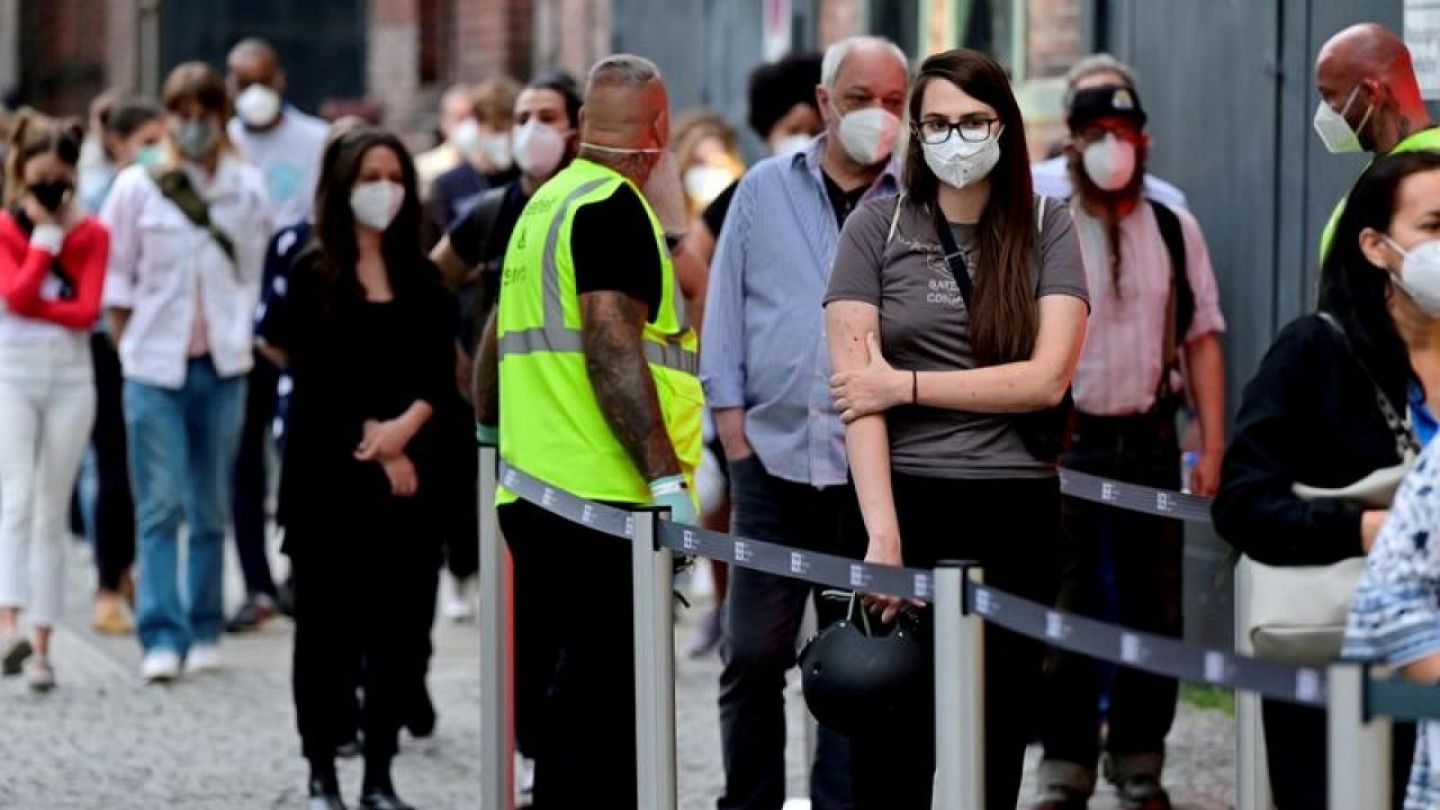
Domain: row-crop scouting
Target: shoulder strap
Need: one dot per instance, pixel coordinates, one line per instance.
(1174, 238)
(1406, 444)
(177, 189)
(895, 218)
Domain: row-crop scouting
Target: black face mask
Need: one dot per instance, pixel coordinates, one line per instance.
(51, 193)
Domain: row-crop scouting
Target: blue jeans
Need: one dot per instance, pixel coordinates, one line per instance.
(182, 447)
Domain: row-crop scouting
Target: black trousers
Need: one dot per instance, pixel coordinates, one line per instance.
(363, 593)
(114, 505)
(1012, 528)
(250, 489)
(763, 613)
(585, 740)
(1295, 752)
(1146, 555)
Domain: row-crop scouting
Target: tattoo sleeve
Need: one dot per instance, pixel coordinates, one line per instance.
(611, 325)
(485, 381)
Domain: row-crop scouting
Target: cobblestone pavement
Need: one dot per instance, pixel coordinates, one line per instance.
(221, 741)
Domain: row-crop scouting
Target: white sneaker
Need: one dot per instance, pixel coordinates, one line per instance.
(203, 658)
(160, 666)
(459, 607)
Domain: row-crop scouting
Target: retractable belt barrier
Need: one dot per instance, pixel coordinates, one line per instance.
(1153, 653)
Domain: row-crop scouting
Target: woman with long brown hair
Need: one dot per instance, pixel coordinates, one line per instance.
(974, 289)
(366, 333)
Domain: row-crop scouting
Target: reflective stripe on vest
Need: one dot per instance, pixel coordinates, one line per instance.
(555, 336)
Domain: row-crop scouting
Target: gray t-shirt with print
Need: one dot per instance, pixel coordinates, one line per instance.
(925, 326)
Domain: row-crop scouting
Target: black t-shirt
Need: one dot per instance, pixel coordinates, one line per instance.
(614, 248)
(714, 213)
(842, 202)
(473, 243)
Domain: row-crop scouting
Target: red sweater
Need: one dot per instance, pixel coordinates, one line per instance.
(23, 269)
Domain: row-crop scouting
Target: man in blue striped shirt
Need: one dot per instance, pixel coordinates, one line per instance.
(766, 370)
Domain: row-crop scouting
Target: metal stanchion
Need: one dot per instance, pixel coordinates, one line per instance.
(497, 769)
(1252, 777)
(1359, 758)
(652, 569)
(959, 692)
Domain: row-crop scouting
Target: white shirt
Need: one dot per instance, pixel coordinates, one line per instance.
(1052, 179)
(158, 258)
(1121, 361)
(289, 158)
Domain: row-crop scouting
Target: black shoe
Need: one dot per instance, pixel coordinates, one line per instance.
(1143, 793)
(257, 609)
(324, 796)
(421, 722)
(285, 597)
(350, 749)
(381, 799)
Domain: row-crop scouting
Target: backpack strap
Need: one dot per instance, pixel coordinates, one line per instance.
(1180, 308)
(175, 185)
(1406, 445)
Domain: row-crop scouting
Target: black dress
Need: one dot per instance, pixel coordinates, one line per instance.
(365, 561)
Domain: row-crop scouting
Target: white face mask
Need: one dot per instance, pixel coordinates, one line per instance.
(495, 147)
(960, 163)
(1335, 131)
(792, 144)
(868, 135)
(258, 106)
(704, 183)
(466, 137)
(376, 203)
(1110, 162)
(1419, 274)
(539, 148)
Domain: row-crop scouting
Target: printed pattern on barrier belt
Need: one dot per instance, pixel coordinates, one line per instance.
(1090, 637)
(1134, 497)
(1401, 700)
(1147, 651)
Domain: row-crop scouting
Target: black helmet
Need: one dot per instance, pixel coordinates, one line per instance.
(856, 679)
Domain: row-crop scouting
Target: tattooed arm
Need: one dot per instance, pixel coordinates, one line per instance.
(611, 325)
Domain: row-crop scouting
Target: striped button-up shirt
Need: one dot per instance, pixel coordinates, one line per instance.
(764, 346)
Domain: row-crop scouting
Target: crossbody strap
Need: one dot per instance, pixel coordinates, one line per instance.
(176, 188)
(1406, 445)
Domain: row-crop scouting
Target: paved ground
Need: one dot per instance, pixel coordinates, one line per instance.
(226, 741)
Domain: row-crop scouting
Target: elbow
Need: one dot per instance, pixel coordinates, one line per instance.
(1053, 386)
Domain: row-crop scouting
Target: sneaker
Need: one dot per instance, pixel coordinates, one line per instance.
(706, 637)
(459, 606)
(160, 666)
(285, 597)
(252, 615)
(1143, 793)
(111, 618)
(1054, 799)
(421, 720)
(203, 657)
(14, 651)
(524, 780)
(40, 674)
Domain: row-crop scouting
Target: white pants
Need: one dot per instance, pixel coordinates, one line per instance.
(47, 409)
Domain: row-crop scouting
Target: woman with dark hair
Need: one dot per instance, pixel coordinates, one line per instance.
(975, 290)
(366, 330)
(1310, 415)
(52, 269)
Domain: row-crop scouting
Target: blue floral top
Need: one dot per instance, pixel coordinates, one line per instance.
(1395, 616)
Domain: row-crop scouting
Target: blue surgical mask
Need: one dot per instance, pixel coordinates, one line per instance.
(150, 155)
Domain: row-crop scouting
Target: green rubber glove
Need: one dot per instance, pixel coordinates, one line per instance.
(672, 492)
(487, 434)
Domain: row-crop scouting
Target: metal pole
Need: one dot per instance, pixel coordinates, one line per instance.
(651, 568)
(1359, 763)
(1252, 777)
(959, 692)
(497, 770)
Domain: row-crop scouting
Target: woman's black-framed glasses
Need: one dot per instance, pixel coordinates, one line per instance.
(971, 129)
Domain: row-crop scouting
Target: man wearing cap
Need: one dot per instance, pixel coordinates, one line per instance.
(1154, 314)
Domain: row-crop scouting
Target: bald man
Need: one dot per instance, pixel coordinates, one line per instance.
(599, 397)
(1369, 100)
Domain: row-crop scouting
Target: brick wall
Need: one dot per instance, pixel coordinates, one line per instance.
(491, 38)
(392, 72)
(63, 50)
(1054, 41)
(570, 34)
(840, 19)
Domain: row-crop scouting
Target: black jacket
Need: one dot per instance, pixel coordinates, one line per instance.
(1308, 416)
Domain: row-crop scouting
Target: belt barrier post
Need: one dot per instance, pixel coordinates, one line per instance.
(1359, 748)
(652, 568)
(959, 691)
(1252, 776)
(497, 769)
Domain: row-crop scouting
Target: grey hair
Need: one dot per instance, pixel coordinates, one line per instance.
(623, 69)
(835, 56)
(1097, 63)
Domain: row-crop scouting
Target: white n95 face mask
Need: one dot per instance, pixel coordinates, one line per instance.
(791, 144)
(376, 203)
(868, 135)
(538, 148)
(1335, 131)
(1110, 162)
(495, 146)
(258, 105)
(1419, 274)
(959, 163)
